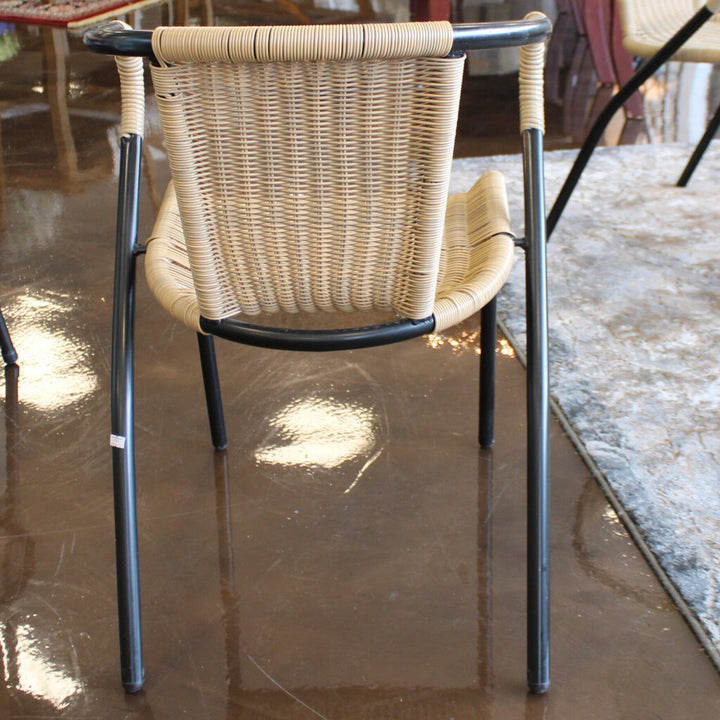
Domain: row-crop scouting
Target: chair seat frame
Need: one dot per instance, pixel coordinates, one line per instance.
(116, 41)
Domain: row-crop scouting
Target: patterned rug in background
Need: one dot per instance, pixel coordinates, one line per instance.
(634, 288)
(66, 13)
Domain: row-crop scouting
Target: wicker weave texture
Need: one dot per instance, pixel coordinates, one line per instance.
(532, 66)
(132, 91)
(476, 257)
(302, 43)
(478, 251)
(648, 24)
(167, 266)
(308, 186)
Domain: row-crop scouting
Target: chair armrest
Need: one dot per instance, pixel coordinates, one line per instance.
(532, 63)
(132, 87)
(536, 27)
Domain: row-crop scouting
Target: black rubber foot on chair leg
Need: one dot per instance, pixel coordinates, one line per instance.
(539, 688)
(132, 681)
(133, 687)
(10, 358)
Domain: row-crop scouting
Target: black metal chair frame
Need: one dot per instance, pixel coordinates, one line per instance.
(9, 354)
(110, 40)
(644, 71)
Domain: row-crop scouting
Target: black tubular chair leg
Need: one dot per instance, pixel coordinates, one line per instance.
(616, 102)
(488, 339)
(122, 438)
(8, 351)
(213, 398)
(699, 151)
(538, 399)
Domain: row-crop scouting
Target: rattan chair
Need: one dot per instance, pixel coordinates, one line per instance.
(310, 170)
(657, 30)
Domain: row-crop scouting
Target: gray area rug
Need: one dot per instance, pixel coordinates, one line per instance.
(634, 287)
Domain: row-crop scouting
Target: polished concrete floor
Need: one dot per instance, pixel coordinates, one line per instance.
(353, 554)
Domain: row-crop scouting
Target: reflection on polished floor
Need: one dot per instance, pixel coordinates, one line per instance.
(353, 554)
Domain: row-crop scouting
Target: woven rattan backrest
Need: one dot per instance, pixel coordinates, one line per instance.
(311, 164)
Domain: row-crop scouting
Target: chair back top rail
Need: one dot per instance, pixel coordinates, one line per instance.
(111, 39)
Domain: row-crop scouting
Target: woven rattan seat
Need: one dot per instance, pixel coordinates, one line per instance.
(476, 256)
(310, 171)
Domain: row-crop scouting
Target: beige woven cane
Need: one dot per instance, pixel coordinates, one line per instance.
(478, 250)
(310, 184)
(310, 171)
(532, 99)
(132, 91)
(648, 24)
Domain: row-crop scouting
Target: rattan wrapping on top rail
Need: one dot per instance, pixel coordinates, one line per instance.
(294, 43)
(132, 91)
(648, 24)
(532, 95)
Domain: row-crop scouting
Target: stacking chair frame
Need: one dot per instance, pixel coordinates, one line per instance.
(673, 47)
(530, 36)
(9, 354)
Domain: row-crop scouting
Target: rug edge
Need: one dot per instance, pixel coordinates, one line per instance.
(690, 617)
